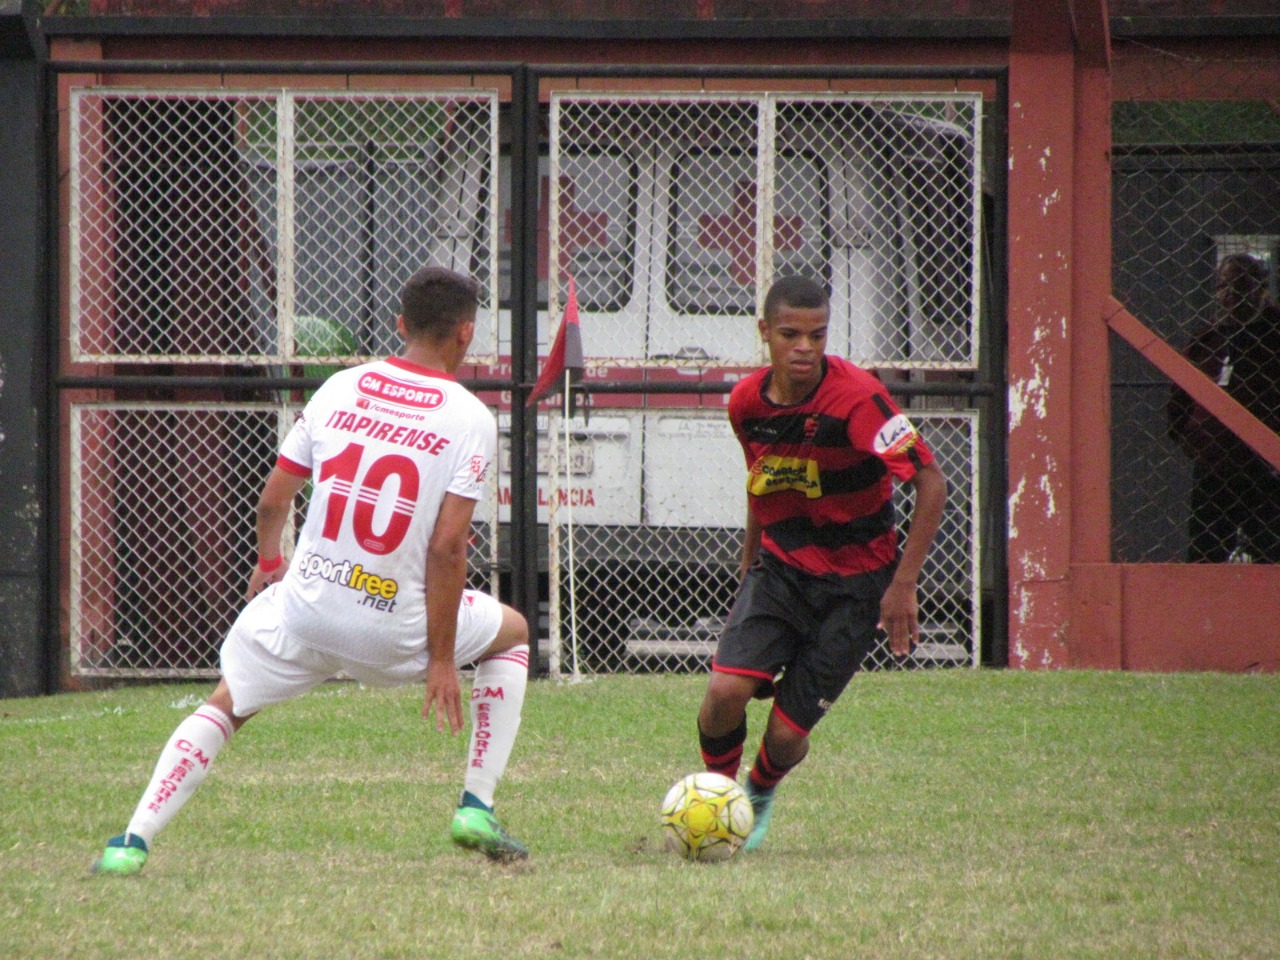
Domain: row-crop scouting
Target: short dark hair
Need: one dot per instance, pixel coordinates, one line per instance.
(1249, 273)
(794, 292)
(436, 300)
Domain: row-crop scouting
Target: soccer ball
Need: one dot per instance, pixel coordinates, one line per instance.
(706, 817)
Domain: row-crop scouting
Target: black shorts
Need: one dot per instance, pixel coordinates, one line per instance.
(805, 636)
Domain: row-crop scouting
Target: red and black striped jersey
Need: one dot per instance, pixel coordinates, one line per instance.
(820, 472)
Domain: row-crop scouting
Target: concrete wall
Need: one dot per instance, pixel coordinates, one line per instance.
(23, 579)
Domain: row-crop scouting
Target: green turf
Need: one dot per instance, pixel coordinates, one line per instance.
(940, 815)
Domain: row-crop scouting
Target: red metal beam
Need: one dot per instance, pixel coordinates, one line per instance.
(1090, 341)
(1093, 33)
(1202, 390)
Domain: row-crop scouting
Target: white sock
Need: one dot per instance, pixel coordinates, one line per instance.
(183, 764)
(497, 697)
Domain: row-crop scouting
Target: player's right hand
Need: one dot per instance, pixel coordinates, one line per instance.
(900, 617)
(444, 695)
(259, 581)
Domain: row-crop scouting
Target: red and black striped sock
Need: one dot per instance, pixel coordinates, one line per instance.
(723, 754)
(766, 773)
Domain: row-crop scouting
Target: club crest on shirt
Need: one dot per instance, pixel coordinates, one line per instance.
(896, 437)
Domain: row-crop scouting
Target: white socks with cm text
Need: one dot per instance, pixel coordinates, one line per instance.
(497, 698)
(183, 764)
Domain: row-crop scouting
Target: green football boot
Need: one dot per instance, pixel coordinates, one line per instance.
(762, 807)
(478, 829)
(124, 856)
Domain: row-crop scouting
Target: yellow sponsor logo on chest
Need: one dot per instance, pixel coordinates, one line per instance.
(773, 474)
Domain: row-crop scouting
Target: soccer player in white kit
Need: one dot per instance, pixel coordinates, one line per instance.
(397, 453)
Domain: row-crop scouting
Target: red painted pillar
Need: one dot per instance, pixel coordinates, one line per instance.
(1041, 197)
(1094, 634)
(1090, 341)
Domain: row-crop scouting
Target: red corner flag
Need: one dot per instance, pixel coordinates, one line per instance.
(566, 352)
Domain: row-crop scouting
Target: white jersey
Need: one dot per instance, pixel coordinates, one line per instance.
(382, 443)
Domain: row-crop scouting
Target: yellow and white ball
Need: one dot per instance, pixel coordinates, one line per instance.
(706, 817)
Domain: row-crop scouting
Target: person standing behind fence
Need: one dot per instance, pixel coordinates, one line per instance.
(397, 453)
(821, 566)
(1235, 494)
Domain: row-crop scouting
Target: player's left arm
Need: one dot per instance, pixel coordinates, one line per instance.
(899, 610)
(446, 577)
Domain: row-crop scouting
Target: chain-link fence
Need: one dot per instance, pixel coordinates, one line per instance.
(274, 228)
(1196, 175)
(647, 584)
(240, 227)
(255, 228)
(162, 531)
(162, 501)
(673, 213)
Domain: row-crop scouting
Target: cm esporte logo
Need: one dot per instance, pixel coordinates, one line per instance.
(376, 591)
(377, 386)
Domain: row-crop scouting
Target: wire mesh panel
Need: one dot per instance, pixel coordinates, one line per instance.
(1196, 184)
(384, 185)
(276, 227)
(649, 587)
(255, 227)
(173, 224)
(645, 577)
(949, 591)
(894, 182)
(162, 531)
(674, 212)
(163, 500)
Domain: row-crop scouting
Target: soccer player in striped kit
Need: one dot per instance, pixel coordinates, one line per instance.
(397, 452)
(822, 571)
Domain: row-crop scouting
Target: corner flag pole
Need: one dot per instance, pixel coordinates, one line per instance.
(565, 360)
(568, 510)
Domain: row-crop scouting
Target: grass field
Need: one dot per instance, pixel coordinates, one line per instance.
(940, 815)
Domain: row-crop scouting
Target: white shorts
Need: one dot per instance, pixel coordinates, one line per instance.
(264, 665)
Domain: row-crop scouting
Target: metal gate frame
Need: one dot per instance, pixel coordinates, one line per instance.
(987, 389)
(665, 575)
